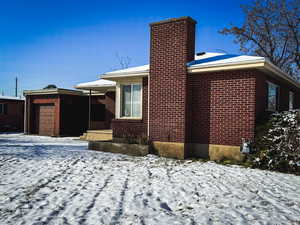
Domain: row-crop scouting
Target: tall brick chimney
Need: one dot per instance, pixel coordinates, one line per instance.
(172, 46)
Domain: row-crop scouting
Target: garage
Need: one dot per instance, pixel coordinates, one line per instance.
(63, 112)
(44, 119)
(56, 112)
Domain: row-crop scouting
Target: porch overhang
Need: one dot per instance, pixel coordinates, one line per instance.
(100, 85)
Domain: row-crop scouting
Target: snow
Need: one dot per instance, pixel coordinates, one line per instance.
(215, 59)
(11, 98)
(46, 180)
(134, 70)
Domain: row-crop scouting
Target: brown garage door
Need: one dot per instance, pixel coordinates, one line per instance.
(45, 115)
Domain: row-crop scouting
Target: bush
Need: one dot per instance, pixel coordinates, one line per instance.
(278, 143)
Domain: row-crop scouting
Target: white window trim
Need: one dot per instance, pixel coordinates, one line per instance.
(291, 93)
(119, 100)
(277, 98)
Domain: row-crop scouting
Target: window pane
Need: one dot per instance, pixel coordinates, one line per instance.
(126, 100)
(136, 100)
(291, 100)
(1, 109)
(272, 96)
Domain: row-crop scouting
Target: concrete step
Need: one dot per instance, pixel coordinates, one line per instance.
(97, 135)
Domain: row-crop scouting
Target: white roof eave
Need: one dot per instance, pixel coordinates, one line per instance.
(123, 75)
(96, 85)
(262, 64)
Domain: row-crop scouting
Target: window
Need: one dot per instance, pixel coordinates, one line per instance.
(131, 100)
(273, 96)
(291, 100)
(3, 109)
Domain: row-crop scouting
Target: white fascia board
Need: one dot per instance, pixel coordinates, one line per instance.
(121, 75)
(51, 91)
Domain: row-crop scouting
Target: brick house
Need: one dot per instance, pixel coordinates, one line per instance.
(11, 114)
(199, 105)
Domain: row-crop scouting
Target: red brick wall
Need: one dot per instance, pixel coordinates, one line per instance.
(14, 119)
(110, 107)
(109, 101)
(227, 106)
(261, 95)
(133, 128)
(172, 46)
(223, 107)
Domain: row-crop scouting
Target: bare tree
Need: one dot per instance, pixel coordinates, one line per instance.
(124, 61)
(271, 29)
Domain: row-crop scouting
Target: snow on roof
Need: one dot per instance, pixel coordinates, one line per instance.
(207, 59)
(211, 58)
(101, 83)
(11, 98)
(132, 70)
(210, 61)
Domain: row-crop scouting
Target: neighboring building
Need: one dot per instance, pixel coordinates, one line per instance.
(11, 114)
(62, 112)
(200, 105)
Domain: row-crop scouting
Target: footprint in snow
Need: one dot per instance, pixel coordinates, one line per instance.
(165, 206)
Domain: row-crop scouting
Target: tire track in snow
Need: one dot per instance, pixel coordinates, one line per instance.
(38, 187)
(92, 204)
(67, 201)
(6, 162)
(116, 217)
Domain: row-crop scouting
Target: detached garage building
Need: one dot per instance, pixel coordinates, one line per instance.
(56, 112)
(63, 112)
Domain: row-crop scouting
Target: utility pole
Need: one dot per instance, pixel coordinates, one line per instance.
(16, 90)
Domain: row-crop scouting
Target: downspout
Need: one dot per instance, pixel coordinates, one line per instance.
(148, 119)
(89, 125)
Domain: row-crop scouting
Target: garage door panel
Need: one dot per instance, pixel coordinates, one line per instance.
(45, 119)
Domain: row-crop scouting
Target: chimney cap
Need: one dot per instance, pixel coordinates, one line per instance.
(187, 18)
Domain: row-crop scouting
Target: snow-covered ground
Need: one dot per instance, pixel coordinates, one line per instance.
(47, 180)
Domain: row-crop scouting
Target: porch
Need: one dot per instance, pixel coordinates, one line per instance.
(97, 135)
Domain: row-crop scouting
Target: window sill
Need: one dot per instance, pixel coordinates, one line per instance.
(129, 118)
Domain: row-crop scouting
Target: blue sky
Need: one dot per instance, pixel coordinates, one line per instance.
(67, 42)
